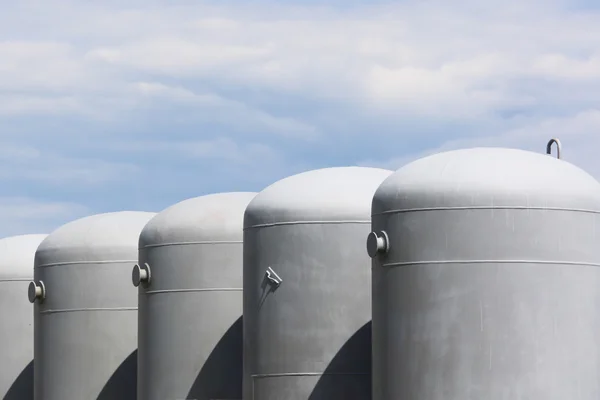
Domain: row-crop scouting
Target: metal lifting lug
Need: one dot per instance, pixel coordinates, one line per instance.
(558, 147)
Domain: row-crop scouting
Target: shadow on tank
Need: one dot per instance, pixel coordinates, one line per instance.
(221, 375)
(348, 376)
(22, 387)
(122, 385)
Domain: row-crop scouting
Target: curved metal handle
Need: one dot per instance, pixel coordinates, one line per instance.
(558, 147)
(36, 291)
(272, 277)
(377, 243)
(141, 274)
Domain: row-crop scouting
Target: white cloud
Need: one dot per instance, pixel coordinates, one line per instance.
(39, 65)
(422, 56)
(220, 149)
(23, 163)
(480, 73)
(177, 55)
(578, 135)
(226, 111)
(226, 149)
(66, 172)
(434, 59)
(21, 215)
(12, 105)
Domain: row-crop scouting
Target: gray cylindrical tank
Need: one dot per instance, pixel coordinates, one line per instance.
(85, 318)
(486, 279)
(307, 306)
(190, 300)
(16, 329)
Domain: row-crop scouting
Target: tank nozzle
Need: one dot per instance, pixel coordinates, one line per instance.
(36, 291)
(272, 277)
(140, 275)
(377, 243)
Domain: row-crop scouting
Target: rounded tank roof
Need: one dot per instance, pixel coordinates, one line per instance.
(101, 237)
(486, 178)
(322, 195)
(214, 217)
(17, 254)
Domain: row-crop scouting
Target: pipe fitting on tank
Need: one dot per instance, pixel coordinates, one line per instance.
(36, 291)
(140, 274)
(272, 277)
(377, 243)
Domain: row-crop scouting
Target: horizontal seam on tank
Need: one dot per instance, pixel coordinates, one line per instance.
(409, 263)
(15, 280)
(307, 223)
(191, 243)
(465, 208)
(259, 376)
(192, 290)
(84, 262)
(65, 310)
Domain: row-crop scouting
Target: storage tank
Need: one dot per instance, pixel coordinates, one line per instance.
(85, 318)
(190, 300)
(486, 279)
(16, 330)
(307, 302)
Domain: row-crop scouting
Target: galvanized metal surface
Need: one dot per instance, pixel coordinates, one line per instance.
(489, 287)
(307, 306)
(16, 329)
(86, 326)
(190, 300)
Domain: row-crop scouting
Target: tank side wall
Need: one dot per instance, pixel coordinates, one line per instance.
(310, 337)
(86, 333)
(190, 340)
(488, 304)
(16, 341)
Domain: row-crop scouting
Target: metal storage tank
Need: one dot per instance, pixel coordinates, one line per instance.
(486, 279)
(307, 301)
(190, 300)
(85, 318)
(16, 331)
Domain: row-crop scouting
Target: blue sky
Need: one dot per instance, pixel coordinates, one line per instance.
(138, 105)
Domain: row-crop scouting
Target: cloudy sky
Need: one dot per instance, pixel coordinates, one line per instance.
(137, 105)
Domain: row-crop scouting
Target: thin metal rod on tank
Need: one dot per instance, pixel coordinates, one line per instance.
(558, 147)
